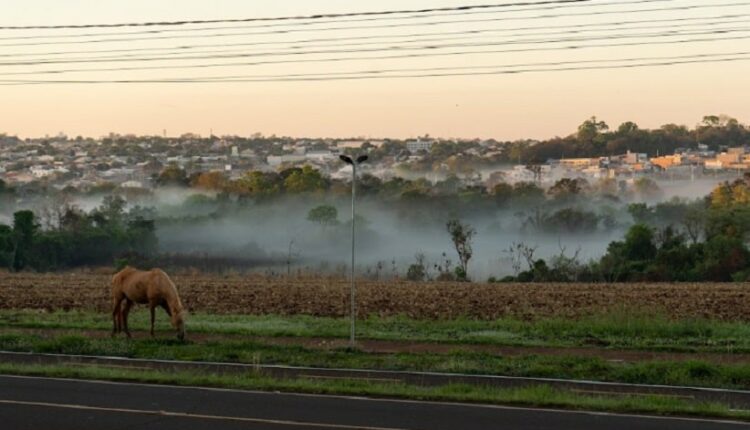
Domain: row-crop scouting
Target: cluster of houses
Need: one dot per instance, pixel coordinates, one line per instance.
(83, 164)
(86, 163)
(683, 164)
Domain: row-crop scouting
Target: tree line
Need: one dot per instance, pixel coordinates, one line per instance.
(675, 240)
(78, 238)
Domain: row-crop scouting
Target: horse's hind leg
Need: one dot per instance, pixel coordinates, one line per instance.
(125, 312)
(116, 326)
(152, 308)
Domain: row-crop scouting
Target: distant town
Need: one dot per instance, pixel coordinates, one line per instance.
(135, 162)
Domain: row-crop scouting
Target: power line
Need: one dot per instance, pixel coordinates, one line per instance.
(396, 56)
(575, 28)
(291, 18)
(472, 67)
(375, 76)
(337, 21)
(389, 26)
(377, 49)
(423, 47)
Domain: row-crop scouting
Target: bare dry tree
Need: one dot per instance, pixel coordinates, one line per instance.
(461, 236)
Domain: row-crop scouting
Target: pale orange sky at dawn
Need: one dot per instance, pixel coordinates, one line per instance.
(537, 104)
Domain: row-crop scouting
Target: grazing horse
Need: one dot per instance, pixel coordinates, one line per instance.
(153, 287)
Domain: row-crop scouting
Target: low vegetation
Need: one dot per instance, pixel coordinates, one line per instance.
(619, 330)
(551, 348)
(682, 373)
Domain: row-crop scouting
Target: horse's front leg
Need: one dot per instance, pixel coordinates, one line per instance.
(152, 308)
(116, 327)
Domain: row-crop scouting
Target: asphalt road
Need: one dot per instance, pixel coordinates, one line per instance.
(34, 403)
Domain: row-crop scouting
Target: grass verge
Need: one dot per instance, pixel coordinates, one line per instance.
(625, 329)
(685, 373)
(537, 396)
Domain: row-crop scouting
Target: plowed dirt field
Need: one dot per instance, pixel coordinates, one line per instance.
(329, 297)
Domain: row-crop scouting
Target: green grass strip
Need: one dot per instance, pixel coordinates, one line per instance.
(615, 330)
(683, 373)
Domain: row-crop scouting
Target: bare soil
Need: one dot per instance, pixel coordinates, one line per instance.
(434, 300)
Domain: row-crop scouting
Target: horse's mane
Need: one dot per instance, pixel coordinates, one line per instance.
(169, 287)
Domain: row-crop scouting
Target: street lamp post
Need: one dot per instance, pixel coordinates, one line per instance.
(352, 304)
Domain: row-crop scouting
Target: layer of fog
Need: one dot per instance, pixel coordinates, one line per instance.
(387, 243)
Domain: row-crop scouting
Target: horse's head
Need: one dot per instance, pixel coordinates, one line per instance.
(178, 322)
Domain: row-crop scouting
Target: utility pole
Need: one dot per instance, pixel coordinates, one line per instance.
(352, 292)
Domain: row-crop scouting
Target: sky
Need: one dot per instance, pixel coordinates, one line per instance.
(502, 106)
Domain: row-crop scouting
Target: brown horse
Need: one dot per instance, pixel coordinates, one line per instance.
(153, 287)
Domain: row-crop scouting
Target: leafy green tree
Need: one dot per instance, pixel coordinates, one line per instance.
(724, 257)
(394, 187)
(141, 236)
(571, 221)
(641, 213)
(6, 246)
(639, 243)
(368, 185)
(527, 193)
(450, 185)
(591, 129)
(258, 184)
(306, 180)
(628, 260)
(25, 228)
(173, 175)
(567, 189)
(210, 181)
(627, 128)
(111, 210)
(502, 193)
(646, 188)
(324, 215)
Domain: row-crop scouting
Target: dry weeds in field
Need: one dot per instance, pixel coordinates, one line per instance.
(328, 297)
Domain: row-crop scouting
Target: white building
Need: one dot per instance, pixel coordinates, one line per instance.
(419, 145)
(277, 160)
(520, 174)
(132, 184)
(323, 155)
(247, 153)
(42, 172)
(350, 144)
